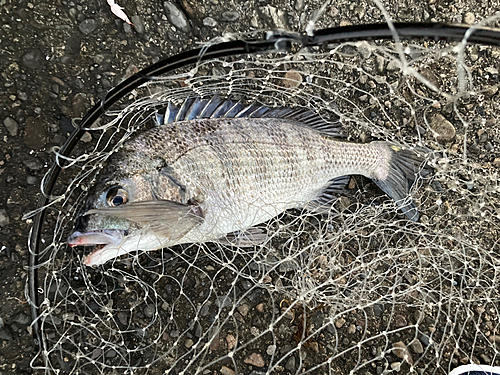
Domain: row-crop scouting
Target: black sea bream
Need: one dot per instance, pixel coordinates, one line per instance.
(212, 170)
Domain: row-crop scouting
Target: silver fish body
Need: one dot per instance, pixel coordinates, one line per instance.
(201, 180)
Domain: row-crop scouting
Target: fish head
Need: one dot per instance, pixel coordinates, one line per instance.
(114, 217)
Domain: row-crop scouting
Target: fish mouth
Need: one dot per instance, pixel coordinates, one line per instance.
(106, 242)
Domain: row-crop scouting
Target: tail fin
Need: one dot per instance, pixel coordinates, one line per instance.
(405, 168)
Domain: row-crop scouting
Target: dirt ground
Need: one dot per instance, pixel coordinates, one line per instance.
(58, 58)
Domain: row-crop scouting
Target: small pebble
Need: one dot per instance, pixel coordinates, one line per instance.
(176, 16)
(226, 371)
(271, 349)
(416, 346)
(230, 16)
(255, 359)
(33, 59)
(22, 319)
(469, 18)
(231, 341)
(396, 366)
(485, 359)
(214, 344)
(378, 309)
(6, 334)
(139, 25)
(32, 163)
(276, 17)
(292, 79)
(400, 321)
(87, 25)
(260, 307)
(351, 329)
(189, 343)
(424, 339)
(174, 334)
(445, 131)
(482, 135)
(290, 363)
(122, 317)
(243, 309)
(149, 311)
(11, 125)
(339, 323)
(4, 220)
(401, 351)
(209, 22)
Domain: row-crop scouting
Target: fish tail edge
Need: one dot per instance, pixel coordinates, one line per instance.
(405, 167)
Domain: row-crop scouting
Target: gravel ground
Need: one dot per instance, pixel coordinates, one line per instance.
(58, 58)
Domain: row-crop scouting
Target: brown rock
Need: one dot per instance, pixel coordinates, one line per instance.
(226, 371)
(292, 79)
(400, 321)
(402, 352)
(339, 323)
(314, 346)
(416, 346)
(260, 307)
(231, 341)
(444, 130)
(243, 309)
(495, 338)
(255, 360)
(214, 344)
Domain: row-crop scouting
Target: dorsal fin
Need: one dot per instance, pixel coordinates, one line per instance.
(196, 108)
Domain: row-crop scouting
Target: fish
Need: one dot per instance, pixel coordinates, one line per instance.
(212, 170)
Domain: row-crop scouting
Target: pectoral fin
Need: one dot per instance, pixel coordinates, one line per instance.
(248, 238)
(165, 218)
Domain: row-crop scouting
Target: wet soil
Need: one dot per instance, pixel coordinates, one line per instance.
(59, 58)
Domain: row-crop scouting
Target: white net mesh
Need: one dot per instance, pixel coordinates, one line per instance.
(359, 290)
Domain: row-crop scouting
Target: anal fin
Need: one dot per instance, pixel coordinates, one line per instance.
(329, 196)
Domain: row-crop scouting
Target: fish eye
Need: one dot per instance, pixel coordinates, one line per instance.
(116, 196)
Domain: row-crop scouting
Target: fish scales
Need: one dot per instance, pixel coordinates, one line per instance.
(250, 170)
(210, 179)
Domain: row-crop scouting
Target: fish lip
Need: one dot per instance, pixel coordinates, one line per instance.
(96, 237)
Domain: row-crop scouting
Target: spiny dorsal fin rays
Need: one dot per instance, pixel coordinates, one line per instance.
(196, 108)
